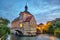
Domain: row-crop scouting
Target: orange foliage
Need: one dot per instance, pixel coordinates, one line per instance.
(44, 26)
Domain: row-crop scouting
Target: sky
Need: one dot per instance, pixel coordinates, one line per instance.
(43, 10)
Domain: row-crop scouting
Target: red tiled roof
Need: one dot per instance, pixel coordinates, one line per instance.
(15, 20)
(28, 19)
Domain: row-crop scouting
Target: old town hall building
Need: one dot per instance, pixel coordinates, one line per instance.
(25, 23)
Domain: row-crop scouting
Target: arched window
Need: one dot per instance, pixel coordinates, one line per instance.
(20, 24)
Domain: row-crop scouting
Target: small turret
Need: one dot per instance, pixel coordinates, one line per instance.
(26, 7)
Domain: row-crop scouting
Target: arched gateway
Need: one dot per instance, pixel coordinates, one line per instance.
(25, 23)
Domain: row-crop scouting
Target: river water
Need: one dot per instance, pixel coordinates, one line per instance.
(39, 37)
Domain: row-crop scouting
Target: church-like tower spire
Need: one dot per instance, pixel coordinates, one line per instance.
(26, 7)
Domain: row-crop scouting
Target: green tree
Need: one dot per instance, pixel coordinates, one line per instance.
(3, 26)
(57, 24)
(55, 28)
(51, 29)
(4, 21)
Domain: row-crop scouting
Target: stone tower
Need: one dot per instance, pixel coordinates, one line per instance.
(26, 22)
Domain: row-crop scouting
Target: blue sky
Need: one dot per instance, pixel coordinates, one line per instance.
(43, 10)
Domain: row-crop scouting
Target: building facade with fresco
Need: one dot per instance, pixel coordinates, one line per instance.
(25, 23)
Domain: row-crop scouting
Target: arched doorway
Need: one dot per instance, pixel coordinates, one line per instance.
(18, 32)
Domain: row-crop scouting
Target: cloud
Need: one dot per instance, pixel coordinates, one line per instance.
(43, 10)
